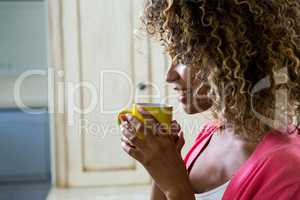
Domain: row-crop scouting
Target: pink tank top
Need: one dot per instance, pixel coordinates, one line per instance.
(271, 172)
(200, 143)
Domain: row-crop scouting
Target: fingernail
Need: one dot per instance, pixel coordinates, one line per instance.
(180, 134)
(123, 117)
(128, 116)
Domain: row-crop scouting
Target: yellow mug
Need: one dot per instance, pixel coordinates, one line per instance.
(161, 112)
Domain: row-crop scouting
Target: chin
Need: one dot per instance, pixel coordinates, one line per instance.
(189, 109)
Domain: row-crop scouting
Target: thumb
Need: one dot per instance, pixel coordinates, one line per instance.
(181, 140)
(175, 127)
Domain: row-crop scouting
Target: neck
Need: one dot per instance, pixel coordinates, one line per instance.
(247, 146)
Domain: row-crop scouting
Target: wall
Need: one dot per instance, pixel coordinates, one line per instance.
(23, 44)
(24, 144)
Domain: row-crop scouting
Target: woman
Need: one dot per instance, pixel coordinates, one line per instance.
(240, 60)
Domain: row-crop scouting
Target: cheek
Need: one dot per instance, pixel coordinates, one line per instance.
(200, 90)
(200, 85)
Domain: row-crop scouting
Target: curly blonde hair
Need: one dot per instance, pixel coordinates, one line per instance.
(255, 48)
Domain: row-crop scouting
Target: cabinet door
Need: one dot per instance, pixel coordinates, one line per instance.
(95, 57)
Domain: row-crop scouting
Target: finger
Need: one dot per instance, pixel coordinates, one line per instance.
(139, 127)
(131, 135)
(132, 139)
(131, 151)
(167, 138)
(175, 137)
(127, 130)
(181, 140)
(124, 124)
(122, 118)
(134, 123)
(180, 135)
(127, 141)
(175, 127)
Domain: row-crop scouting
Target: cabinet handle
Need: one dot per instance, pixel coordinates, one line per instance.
(142, 86)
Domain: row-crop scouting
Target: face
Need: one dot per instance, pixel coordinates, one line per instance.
(192, 93)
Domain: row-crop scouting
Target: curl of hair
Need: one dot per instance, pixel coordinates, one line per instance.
(255, 48)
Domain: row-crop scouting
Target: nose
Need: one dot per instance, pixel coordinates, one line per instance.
(172, 75)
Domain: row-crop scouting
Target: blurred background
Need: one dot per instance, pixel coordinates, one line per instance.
(67, 68)
(24, 143)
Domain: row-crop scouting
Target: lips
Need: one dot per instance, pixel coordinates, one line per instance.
(182, 94)
(183, 99)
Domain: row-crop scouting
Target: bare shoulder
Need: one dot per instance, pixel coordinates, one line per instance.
(210, 168)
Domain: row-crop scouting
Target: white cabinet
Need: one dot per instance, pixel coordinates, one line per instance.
(93, 45)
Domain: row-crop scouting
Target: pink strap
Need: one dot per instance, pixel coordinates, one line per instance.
(200, 144)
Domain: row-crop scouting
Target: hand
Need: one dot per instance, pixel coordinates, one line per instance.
(157, 152)
(178, 136)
